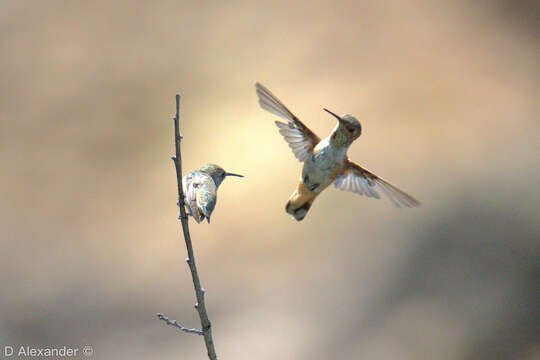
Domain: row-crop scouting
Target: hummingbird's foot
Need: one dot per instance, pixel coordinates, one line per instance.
(180, 215)
(186, 208)
(185, 201)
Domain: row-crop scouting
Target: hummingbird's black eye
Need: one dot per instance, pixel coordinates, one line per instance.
(350, 129)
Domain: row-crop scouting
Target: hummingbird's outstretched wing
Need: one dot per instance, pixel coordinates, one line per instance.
(299, 137)
(358, 180)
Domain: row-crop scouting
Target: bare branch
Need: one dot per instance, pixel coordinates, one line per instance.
(177, 325)
(199, 291)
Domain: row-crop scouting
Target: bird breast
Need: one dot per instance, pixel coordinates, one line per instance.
(323, 166)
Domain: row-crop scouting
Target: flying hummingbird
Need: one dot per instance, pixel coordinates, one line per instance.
(200, 190)
(325, 161)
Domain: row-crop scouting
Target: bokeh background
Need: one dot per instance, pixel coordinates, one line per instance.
(448, 96)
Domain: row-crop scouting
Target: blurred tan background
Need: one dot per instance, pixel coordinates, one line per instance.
(448, 97)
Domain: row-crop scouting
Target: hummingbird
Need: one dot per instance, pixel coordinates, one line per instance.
(200, 190)
(325, 161)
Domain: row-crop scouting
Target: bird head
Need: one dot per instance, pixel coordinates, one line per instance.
(348, 128)
(217, 173)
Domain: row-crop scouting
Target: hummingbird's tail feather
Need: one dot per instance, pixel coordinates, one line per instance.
(300, 202)
(197, 214)
(194, 211)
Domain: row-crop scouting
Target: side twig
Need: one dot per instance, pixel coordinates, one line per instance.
(177, 325)
(199, 291)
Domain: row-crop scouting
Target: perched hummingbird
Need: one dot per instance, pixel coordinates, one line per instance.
(325, 161)
(200, 190)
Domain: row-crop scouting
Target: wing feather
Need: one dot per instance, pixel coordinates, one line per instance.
(367, 183)
(190, 183)
(358, 186)
(299, 137)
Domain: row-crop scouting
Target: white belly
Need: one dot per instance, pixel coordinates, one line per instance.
(320, 168)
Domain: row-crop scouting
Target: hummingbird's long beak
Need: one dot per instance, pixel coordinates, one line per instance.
(331, 113)
(231, 174)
